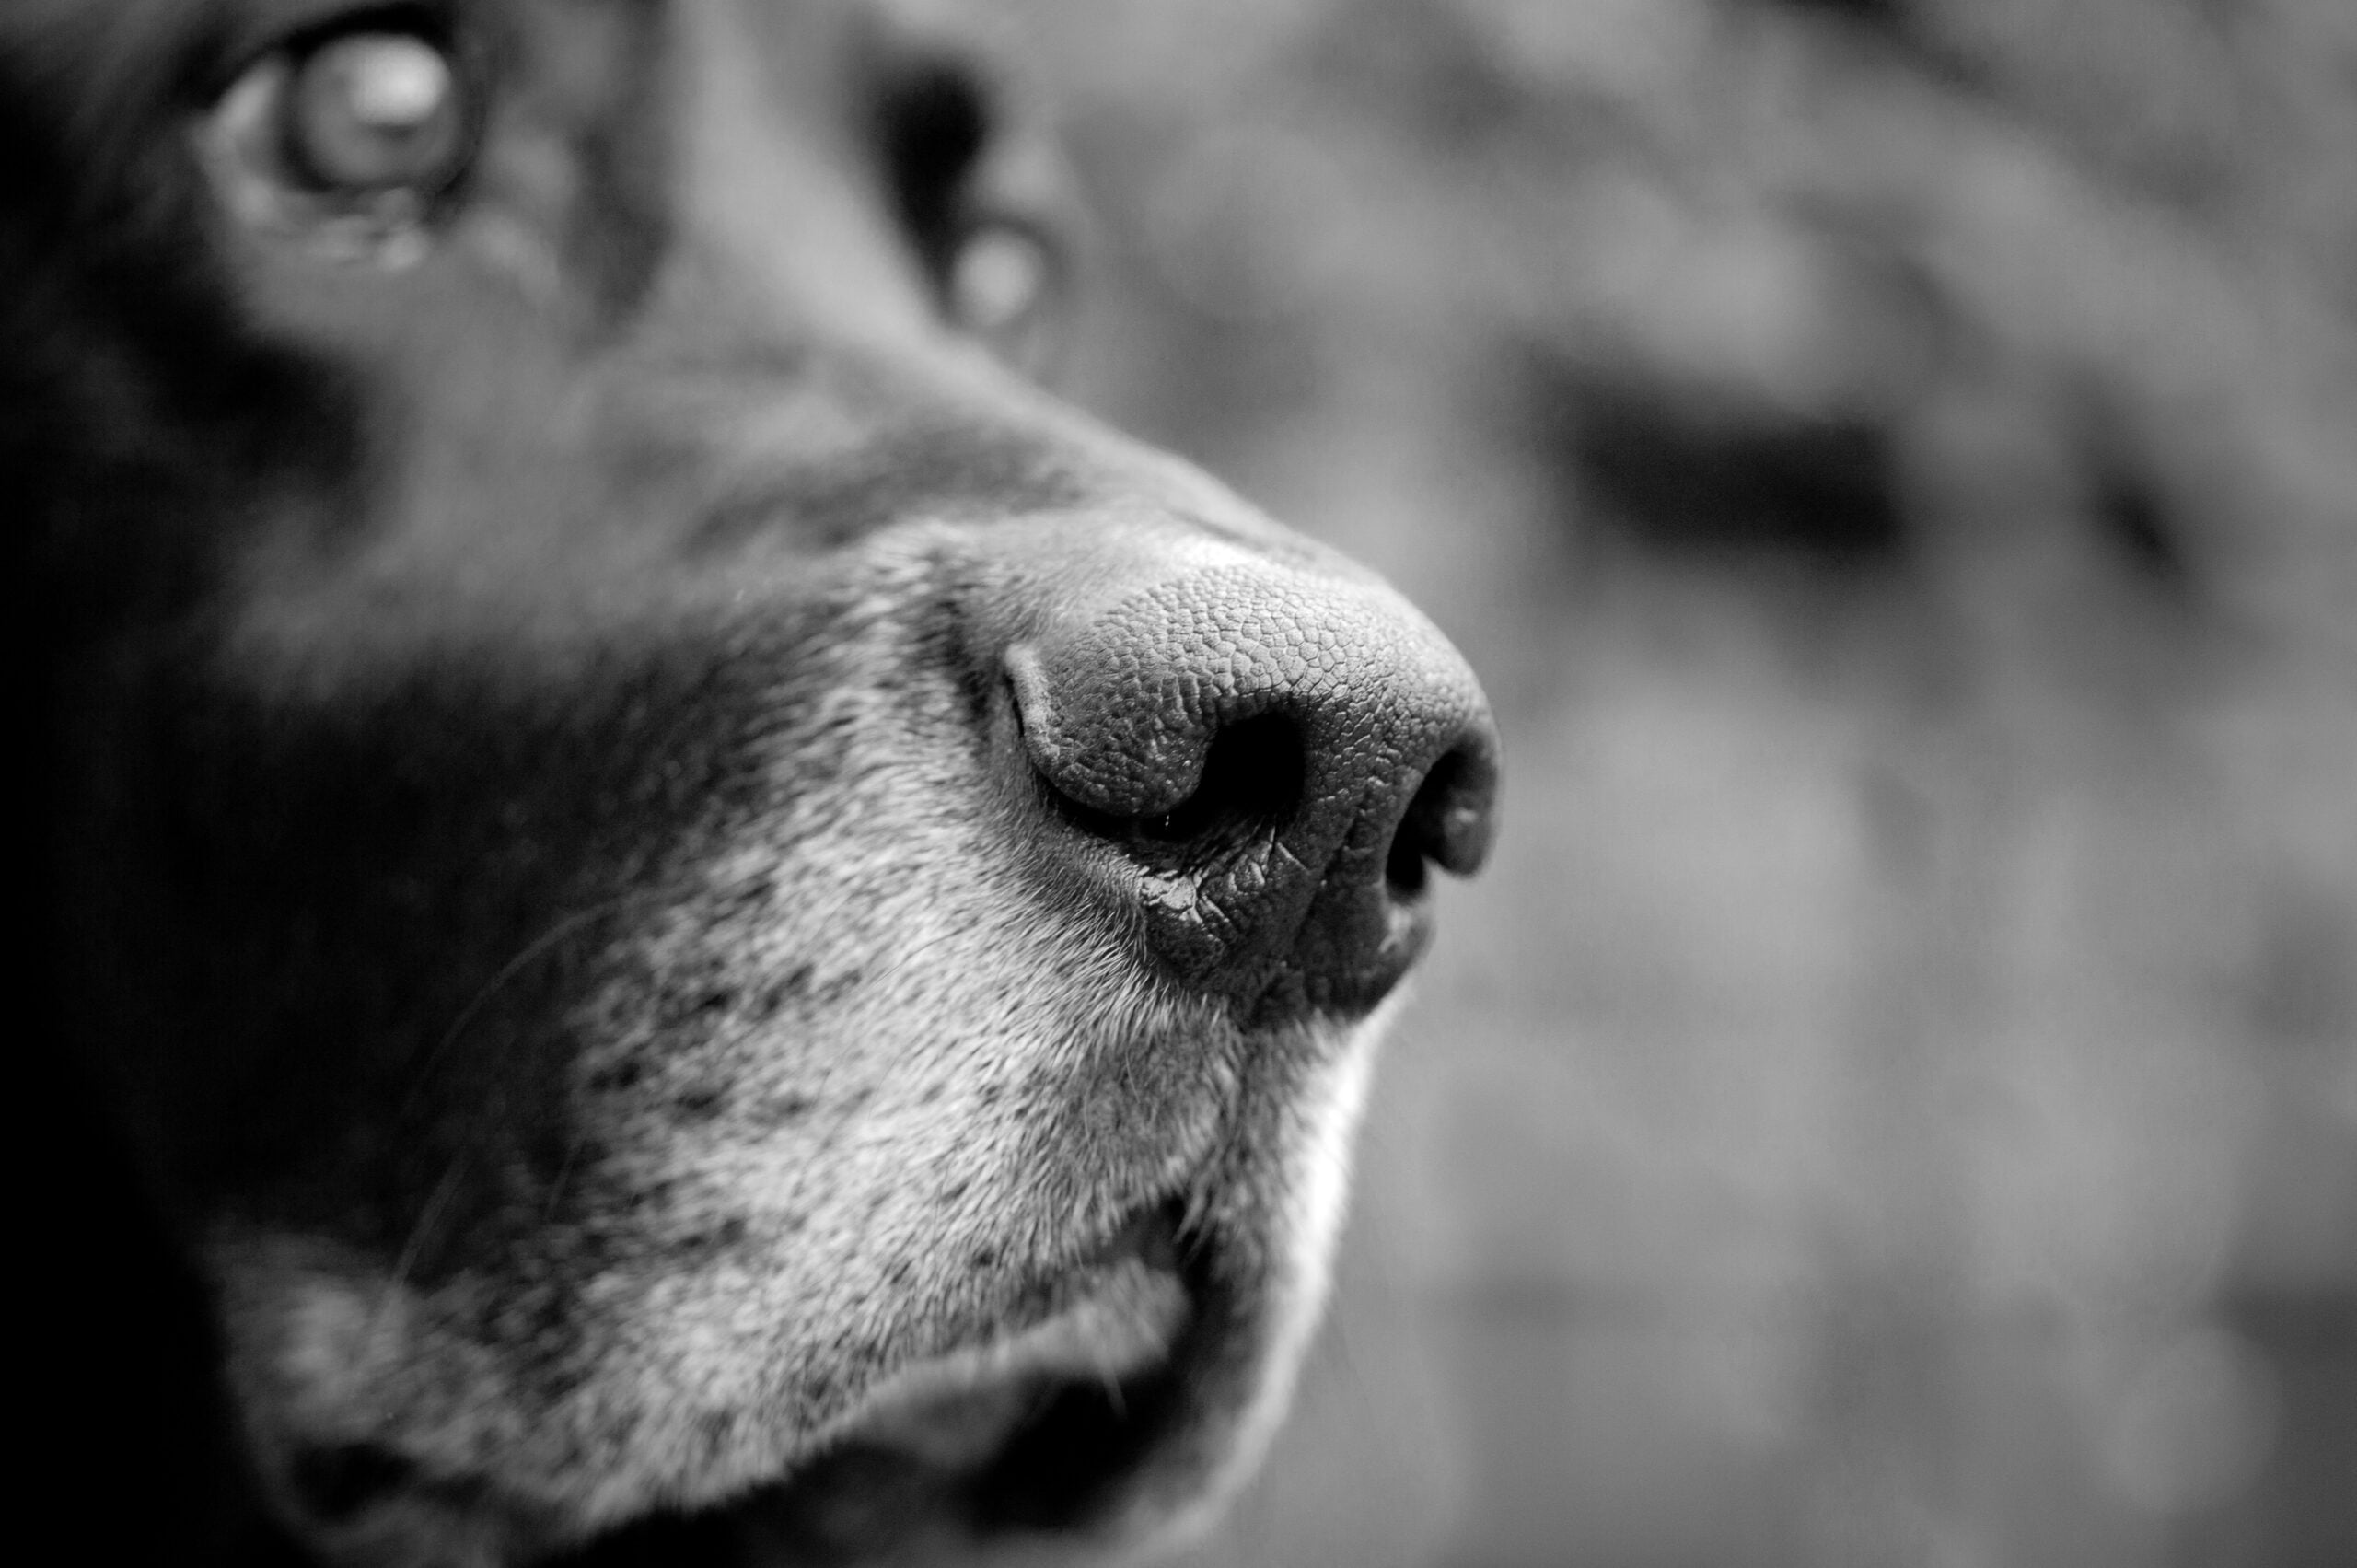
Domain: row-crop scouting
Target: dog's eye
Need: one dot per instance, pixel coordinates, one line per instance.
(375, 112)
(350, 139)
(977, 228)
(999, 281)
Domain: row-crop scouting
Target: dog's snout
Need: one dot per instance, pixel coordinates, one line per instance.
(1275, 757)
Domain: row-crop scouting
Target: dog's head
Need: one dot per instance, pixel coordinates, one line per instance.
(691, 897)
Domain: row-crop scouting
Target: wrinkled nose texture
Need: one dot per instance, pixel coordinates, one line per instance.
(1275, 756)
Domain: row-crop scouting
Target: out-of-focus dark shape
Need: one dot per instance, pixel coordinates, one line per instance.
(1895, 463)
(1693, 473)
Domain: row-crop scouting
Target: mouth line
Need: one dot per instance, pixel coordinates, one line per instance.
(1114, 1316)
(1033, 1429)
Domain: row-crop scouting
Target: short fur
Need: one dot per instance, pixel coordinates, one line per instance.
(597, 1010)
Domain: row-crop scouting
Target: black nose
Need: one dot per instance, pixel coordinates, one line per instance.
(1275, 756)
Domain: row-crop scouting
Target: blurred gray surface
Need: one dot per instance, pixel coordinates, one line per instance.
(1893, 1099)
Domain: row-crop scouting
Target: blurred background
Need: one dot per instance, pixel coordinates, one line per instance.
(1893, 1098)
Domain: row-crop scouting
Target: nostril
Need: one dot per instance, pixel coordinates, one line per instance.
(1251, 782)
(1252, 777)
(1404, 869)
(1446, 822)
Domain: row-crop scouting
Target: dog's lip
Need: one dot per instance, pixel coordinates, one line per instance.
(1116, 1312)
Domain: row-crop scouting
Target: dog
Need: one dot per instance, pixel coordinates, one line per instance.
(681, 919)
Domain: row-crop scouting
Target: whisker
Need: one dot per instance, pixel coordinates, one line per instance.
(531, 951)
(427, 1218)
(572, 1148)
(903, 961)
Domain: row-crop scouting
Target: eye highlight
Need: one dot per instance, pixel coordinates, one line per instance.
(372, 111)
(975, 208)
(348, 140)
(999, 279)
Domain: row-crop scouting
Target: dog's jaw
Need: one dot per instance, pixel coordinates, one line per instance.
(1315, 1184)
(1198, 1313)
